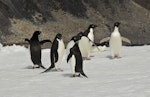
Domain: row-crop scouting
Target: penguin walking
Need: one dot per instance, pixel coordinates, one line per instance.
(35, 49)
(76, 61)
(85, 45)
(57, 51)
(115, 41)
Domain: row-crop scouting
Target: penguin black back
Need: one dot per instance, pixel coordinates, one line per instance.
(54, 53)
(35, 49)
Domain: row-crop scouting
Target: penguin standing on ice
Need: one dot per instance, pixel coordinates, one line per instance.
(57, 51)
(35, 49)
(75, 59)
(86, 41)
(115, 41)
(85, 45)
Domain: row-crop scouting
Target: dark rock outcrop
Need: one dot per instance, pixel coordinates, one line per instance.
(20, 18)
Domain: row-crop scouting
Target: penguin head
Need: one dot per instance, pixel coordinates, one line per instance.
(116, 24)
(92, 26)
(80, 35)
(76, 38)
(36, 33)
(59, 36)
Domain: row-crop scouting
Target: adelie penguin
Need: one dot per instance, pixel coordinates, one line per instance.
(35, 49)
(115, 41)
(56, 54)
(85, 45)
(75, 59)
(86, 41)
(90, 32)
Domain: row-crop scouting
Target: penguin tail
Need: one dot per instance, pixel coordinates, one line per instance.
(82, 73)
(47, 70)
(43, 67)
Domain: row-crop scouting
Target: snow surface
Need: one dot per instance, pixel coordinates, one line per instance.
(128, 76)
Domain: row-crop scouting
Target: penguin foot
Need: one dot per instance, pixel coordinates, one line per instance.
(57, 70)
(74, 75)
(92, 56)
(116, 57)
(88, 58)
(35, 66)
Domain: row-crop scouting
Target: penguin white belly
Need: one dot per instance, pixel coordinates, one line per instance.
(84, 46)
(91, 35)
(115, 44)
(72, 62)
(69, 46)
(61, 49)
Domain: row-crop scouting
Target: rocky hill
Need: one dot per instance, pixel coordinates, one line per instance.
(20, 18)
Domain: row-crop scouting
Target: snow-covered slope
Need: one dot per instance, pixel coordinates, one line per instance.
(128, 76)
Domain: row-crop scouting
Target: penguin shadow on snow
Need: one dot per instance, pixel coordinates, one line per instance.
(28, 67)
(35, 49)
(70, 76)
(67, 75)
(110, 57)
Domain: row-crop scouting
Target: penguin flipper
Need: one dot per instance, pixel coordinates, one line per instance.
(52, 60)
(47, 70)
(44, 41)
(126, 40)
(42, 66)
(105, 39)
(56, 56)
(68, 58)
(84, 74)
(26, 39)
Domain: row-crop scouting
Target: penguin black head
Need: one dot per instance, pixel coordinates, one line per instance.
(116, 24)
(92, 26)
(76, 38)
(80, 34)
(36, 33)
(59, 36)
